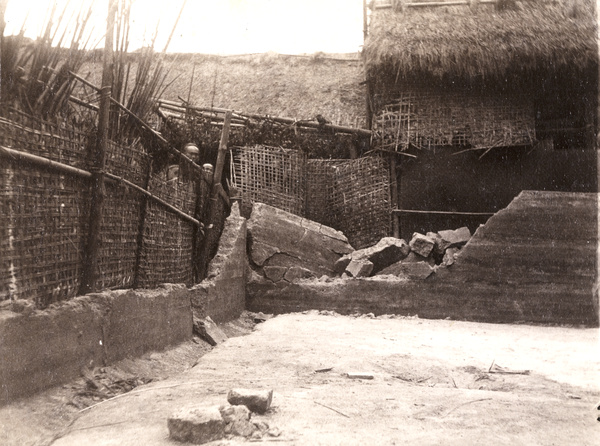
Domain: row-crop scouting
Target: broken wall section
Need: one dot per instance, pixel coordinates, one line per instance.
(222, 295)
(284, 247)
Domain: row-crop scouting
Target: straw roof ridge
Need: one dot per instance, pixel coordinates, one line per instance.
(538, 36)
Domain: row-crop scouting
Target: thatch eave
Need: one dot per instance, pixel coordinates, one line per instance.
(538, 38)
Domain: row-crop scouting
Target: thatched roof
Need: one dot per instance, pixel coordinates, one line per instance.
(536, 36)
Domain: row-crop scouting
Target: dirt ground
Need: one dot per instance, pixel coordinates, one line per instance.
(434, 382)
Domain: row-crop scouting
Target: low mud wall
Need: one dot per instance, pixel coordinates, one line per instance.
(534, 261)
(43, 348)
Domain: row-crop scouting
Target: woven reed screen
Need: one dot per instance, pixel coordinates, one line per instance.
(44, 216)
(349, 195)
(271, 175)
(462, 119)
(352, 196)
(43, 225)
(167, 249)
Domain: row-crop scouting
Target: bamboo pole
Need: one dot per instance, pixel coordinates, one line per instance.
(289, 121)
(139, 243)
(209, 234)
(394, 193)
(98, 192)
(412, 211)
(39, 161)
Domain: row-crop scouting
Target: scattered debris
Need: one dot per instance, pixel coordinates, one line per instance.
(208, 330)
(331, 408)
(257, 401)
(464, 404)
(495, 368)
(237, 420)
(328, 369)
(359, 375)
(196, 425)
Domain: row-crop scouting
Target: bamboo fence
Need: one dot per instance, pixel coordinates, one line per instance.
(149, 228)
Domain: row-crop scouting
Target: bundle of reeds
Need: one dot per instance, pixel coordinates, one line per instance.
(35, 73)
(149, 82)
(533, 36)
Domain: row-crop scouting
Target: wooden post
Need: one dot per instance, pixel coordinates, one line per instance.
(394, 196)
(209, 227)
(90, 265)
(141, 226)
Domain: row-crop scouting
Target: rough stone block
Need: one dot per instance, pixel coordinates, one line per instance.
(278, 235)
(257, 401)
(209, 331)
(386, 252)
(421, 244)
(261, 252)
(197, 425)
(440, 244)
(457, 237)
(342, 263)
(275, 273)
(237, 420)
(411, 270)
(297, 273)
(449, 256)
(413, 257)
(359, 268)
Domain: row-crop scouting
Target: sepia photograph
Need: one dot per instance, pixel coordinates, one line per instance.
(317, 222)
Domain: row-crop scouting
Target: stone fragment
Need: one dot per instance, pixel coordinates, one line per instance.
(237, 420)
(440, 244)
(450, 256)
(457, 237)
(413, 257)
(275, 273)
(340, 266)
(257, 401)
(411, 270)
(359, 268)
(297, 273)
(208, 330)
(298, 241)
(197, 425)
(386, 252)
(421, 244)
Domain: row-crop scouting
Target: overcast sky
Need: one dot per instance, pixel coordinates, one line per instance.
(225, 26)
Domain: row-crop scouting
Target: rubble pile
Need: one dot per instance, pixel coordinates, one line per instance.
(203, 424)
(414, 260)
(285, 249)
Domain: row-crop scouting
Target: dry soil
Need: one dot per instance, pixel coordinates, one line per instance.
(432, 384)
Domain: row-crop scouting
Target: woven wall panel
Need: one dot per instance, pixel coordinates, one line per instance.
(271, 175)
(43, 219)
(167, 240)
(426, 120)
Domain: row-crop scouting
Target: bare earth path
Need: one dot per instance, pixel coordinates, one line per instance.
(431, 385)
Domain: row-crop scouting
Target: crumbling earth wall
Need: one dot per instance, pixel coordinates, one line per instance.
(222, 295)
(534, 261)
(43, 348)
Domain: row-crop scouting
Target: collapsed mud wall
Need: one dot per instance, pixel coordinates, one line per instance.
(222, 295)
(534, 261)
